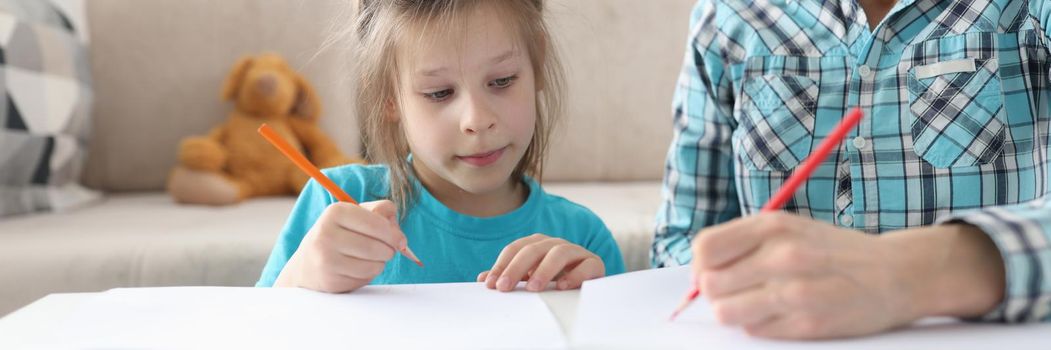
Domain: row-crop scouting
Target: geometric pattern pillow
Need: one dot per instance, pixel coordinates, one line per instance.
(45, 105)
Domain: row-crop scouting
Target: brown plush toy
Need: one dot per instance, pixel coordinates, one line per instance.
(233, 161)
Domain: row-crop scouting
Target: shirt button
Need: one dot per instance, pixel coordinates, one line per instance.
(846, 219)
(859, 142)
(865, 71)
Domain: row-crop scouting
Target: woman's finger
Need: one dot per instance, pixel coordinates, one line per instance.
(746, 308)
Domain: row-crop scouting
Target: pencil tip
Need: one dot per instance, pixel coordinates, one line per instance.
(684, 304)
(412, 256)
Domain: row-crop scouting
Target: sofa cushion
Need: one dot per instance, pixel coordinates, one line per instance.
(146, 240)
(45, 92)
(132, 241)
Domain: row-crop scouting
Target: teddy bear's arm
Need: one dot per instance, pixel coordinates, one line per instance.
(204, 153)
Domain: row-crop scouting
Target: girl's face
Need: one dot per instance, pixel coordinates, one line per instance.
(468, 106)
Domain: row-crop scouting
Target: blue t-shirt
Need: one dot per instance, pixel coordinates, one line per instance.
(453, 247)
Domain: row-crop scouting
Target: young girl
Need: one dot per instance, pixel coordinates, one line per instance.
(458, 99)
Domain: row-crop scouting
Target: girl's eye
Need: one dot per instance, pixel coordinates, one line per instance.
(503, 82)
(438, 95)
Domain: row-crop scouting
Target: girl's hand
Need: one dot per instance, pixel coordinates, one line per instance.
(347, 247)
(541, 259)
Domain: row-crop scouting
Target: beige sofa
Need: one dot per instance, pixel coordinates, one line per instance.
(158, 65)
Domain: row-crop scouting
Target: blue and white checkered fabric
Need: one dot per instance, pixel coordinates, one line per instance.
(956, 99)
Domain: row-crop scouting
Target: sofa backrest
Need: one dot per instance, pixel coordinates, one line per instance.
(158, 67)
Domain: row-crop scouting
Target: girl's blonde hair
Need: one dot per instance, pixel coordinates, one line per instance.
(379, 27)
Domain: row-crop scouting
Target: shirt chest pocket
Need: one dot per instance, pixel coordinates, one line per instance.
(956, 110)
(775, 116)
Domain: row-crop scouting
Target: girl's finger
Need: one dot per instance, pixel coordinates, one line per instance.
(384, 208)
(482, 276)
(506, 255)
(527, 259)
(335, 283)
(559, 258)
(590, 268)
(364, 220)
(357, 245)
(359, 269)
(340, 273)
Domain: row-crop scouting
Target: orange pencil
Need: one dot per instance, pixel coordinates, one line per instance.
(798, 177)
(313, 171)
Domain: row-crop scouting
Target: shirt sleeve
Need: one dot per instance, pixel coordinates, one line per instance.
(308, 208)
(699, 188)
(1021, 233)
(606, 248)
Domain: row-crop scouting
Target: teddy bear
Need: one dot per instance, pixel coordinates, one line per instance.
(233, 162)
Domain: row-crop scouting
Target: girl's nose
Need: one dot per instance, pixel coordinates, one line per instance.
(473, 129)
(478, 118)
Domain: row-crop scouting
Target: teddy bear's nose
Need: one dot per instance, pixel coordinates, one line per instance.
(266, 84)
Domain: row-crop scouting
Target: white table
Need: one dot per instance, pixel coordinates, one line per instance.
(31, 322)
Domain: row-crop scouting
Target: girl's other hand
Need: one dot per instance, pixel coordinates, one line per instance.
(541, 259)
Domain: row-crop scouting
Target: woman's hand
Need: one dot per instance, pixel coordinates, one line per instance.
(540, 259)
(346, 248)
(784, 276)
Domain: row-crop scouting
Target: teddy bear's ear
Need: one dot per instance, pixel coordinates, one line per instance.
(236, 77)
(308, 105)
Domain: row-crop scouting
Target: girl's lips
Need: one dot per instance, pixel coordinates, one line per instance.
(483, 159)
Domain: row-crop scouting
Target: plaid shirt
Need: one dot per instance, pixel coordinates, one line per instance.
(956, 99)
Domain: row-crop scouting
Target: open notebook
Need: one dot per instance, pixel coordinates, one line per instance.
(628, 311)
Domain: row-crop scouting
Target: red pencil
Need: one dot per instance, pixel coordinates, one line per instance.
(318, 176)
(798, 177)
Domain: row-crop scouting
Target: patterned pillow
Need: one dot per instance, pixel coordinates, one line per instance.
(45, 105)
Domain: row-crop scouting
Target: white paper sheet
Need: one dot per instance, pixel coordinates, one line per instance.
(431, 316)
(630, 311)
